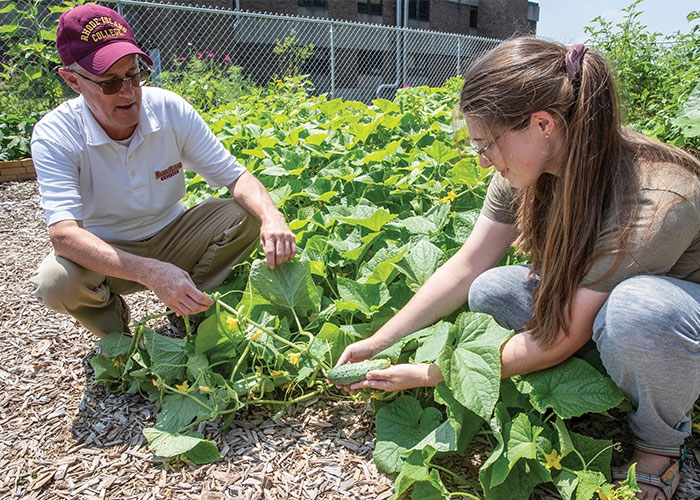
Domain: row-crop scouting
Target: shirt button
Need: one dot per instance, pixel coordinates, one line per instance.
(132, 173)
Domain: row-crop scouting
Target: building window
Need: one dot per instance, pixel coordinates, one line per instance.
(372, 7)
(419, 10)
(472, 17)
(323, 4)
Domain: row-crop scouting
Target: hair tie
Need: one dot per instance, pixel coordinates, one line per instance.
(574, 56)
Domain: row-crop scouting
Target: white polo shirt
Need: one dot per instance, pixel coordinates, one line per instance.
(125, 192)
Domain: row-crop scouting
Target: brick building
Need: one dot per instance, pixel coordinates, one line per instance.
(498, 19)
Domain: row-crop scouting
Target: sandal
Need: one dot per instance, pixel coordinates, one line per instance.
(666, 482)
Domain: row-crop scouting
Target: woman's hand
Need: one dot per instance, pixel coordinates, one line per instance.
(358, 351)
(399, 377)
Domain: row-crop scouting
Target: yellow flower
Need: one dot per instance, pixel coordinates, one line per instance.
(451, 196)
(553, 460)
(231, 322)
(116, 362)
(294, 358)
(204, 388)
(256, 335)
(183, 386)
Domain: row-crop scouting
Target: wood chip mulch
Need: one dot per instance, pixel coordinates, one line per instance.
(61, 436)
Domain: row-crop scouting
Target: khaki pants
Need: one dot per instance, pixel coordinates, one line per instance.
(206, 241)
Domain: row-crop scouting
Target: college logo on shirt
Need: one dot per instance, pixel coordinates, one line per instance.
(169, 172)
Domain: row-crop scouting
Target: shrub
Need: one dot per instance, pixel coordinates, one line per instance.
(205, 80)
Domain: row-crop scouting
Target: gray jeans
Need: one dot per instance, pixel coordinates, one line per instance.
(647, 333)
(206, 241)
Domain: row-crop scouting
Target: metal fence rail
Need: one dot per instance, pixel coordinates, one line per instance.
(343, 59)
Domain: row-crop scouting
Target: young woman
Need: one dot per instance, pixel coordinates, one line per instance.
(610, 222)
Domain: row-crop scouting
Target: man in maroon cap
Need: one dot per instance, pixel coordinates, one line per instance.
(111, 168)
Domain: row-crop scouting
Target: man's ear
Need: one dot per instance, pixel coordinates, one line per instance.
(544, 121)
(70, 79)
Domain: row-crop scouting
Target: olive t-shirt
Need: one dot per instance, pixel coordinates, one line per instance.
(665, 234)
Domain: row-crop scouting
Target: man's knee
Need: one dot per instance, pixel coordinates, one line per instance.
(58, 282)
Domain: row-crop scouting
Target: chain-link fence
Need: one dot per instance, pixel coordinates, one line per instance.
(343, 59)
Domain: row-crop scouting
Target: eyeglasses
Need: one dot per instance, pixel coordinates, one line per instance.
(481, 151)
(114, 85)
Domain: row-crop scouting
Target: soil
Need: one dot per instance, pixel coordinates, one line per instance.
(63, 436)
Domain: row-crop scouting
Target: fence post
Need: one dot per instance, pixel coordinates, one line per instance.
(459, 56)
(332, 57)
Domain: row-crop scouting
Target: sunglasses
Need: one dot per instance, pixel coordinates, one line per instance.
(114, 85)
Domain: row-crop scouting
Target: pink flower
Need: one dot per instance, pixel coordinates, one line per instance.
(189, 44)
(210, 54)
(227, 59)
(200, 54)
(180, 59)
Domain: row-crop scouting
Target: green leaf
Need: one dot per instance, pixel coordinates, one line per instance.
(192, 445)
(572, 389)
(368, 298)
(522, 439)
(372, 218)
(416, 468)
(441, 152)
(178, 411)
(471, 361)
(420, 263)
(434, 339)
(464, 422)
(288, 285)
(214, 334)
(565, 442)
(400, 426)
(415, 225)
(333, 340)
(589, 483)
(168, 357)
(688, 119)
(115, 344)
(525, 475)
(566, 483)
(431, 488)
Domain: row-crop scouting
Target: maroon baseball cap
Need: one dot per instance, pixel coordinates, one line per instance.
(95, 37)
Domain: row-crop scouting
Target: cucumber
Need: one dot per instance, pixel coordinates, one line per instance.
(355, 372)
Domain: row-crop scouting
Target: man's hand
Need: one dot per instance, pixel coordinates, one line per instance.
(175, 288)
(277, 240)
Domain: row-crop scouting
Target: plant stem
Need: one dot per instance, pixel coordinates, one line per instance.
(458, 477)
(272, 334)
(464, 494)
(240, 361)
(287, 402)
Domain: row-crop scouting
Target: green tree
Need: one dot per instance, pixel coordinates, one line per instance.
(657, 72)
(29, 78)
